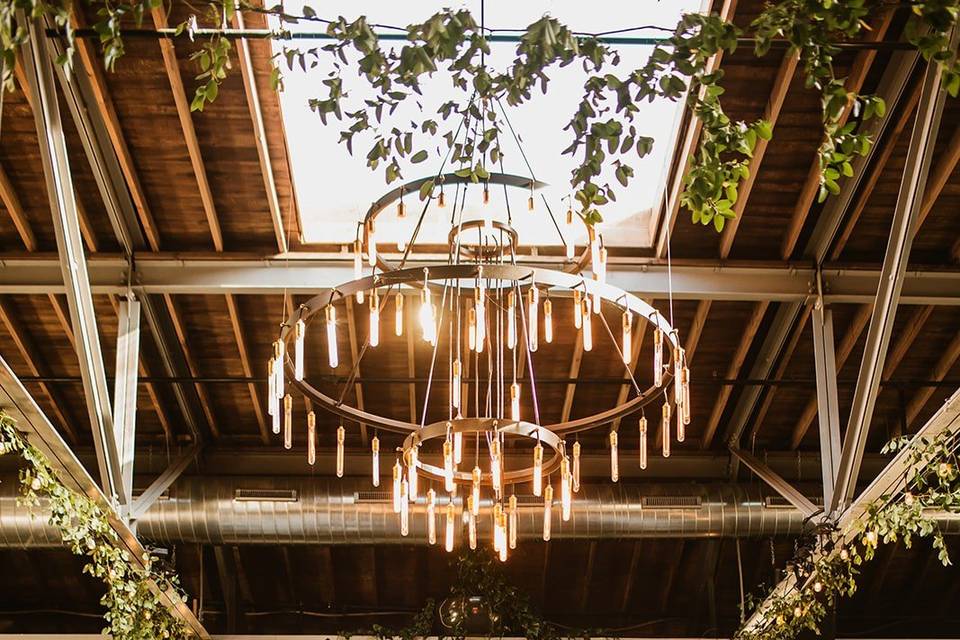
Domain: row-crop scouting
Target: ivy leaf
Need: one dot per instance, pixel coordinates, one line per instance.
(419, 156)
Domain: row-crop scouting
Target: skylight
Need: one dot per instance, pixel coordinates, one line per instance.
(334, 189)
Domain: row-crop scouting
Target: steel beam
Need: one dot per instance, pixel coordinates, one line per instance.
(776, 482)
(56, 165)
(146, 499)
(922, 142)
(125, 390)
(828, 409)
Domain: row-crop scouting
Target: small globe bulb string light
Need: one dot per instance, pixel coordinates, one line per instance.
(512, 520)
(431, 516)
(448, 535)
(341, 437)
(547, 511)
(538, 467)
(626, 351)
(533, 318)
(371, 243)
(587, 328)
(299, 334)
(397, 474)
(511, 320)
(375, 460)
(287, 421)
(643, 442)
(576, 466)
(333, 357)
(614, 457)
(311, 438)
(475, 491)
(548, 320)
(404, 508)
(398, 316)
(665, 427)
(374, 335)
(358, 266)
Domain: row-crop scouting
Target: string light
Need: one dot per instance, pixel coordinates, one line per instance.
(537, 469)
(665, 427)
(358, 266)
(299, 332)
(658, 357)
(375, 460)
(374, 337)
(627, 342)
(451, 514)
(548, 320)
(287, 421)
(533, 321)
(614, 457)
(512, 521)
(397, 473)
(587, 329)
(431, 516)
(547, 511)
(576, 466)
(643, 442)
(398, 317)
(331, 314)
(511, 320)
(341, 436)
(371, 244)
(311, 438)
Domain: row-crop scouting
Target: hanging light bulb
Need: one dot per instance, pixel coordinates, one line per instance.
(331, 314)
(441, 199)
(358, 266)
(341, 436)
(398, 318)
(412, 473)
(681, 428)
(496, 466)
(273, 404)
(427, 319)
(397, 474)
(279, 357)
(311, 438)
(548, 320)
(577, 309)
(533, 321)
(375, 460)
(657, 357)
(472, 328)
(511, 320)
(431, 516)
(627, 336)
(576, 466)
(515, 402)
(299, 333)
(601, 276)
(547, 511)
(686, 394)
(371, 244)
(486, 193)
(643, 442)
(678, 358)
(404, 508)
(471, 523)
(587, 329)
(374, 337)
(401, 245)
(614, 457)
(512, 521)
(537, 469)
(448, 464)
(448, 538)
(457, 448)
(287, 421)
(456, 384)
(565, 489)
(530, 205)
(480, 304)
(475, 493)
(665, 427)
(495, 517)
(401, 208)
(502, 533)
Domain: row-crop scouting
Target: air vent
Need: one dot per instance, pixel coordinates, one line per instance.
(671, 502)
(374, 496)
(779, 502)
(265, 495)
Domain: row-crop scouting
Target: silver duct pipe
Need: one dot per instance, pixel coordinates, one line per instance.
(246, 510)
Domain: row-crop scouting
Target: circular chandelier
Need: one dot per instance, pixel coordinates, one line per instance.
(483, 316)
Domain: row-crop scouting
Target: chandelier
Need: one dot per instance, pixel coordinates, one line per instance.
(483, 315)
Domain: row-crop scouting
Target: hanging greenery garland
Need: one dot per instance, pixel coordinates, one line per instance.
(134, 610)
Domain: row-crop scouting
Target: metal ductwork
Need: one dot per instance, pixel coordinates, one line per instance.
(240, 510)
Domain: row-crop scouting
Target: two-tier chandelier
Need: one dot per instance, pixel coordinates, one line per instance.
(483, 315)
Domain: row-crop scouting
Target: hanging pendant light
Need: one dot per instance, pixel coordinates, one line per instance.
(548, 321)
(643, 442)
(576, 466)
(374, 335)
(614, 457)
(448, 537)
(431, 516)
(311, 438)
(398, 317)
(375, 460)
(299, 331)
(287, 421)
(665, 427)
(533, 318)
(537, 469)
(332, 356)
(547, 511)
(341, 436)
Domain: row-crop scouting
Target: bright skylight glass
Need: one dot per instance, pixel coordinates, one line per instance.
(334, 189)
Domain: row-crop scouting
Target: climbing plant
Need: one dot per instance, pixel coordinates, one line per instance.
(134, 610)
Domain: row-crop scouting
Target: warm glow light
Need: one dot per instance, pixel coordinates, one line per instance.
(273, 403)
(472, 328)
(358, 266)
(614, 458)
(678, 358)
(374, 336)
(398, 318)
(456, 385)
(475, 494)
(547, 511)
(457, 448)
(665, 427)
(502, 533)
(471, 523)
(375, 460)
(565, 489)
(451, 514)
(496, 466)
(397, 474)
(538, 469)
(280, 357)
(587, 330)
(533, 318)
(577, 309)
(341, 436)
(427, 317)
(601, 275)
(432, 516)
(511, 320)
(371, 245)
(627, 337)
(512, 521)
(311, 438)
(334, 359)
(576, 466)
(686, 395)
(643, 442)
(448, 465)
(299, 333)
(548, 321)
(515, 402)
(287, 421)
(657, 357)
(412, 472)
(404, 508)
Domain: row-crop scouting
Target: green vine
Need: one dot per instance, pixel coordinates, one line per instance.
(134, 611)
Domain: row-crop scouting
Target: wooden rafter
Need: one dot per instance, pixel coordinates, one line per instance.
(588, 575)
(939, 176)
(12, 203)
(574, 372)
(948, 358)
(180, 330)
(628, 583)
(354, 361)
(240, 336)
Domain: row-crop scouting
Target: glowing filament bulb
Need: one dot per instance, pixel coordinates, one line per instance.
(475, 493)
(496, 466)
(279, 357)
(456, 384)
(571, 249)
(371, 245)
(512, 521)
(502, 531)
(471, 523)
(538, 469)
(657, 357)
(594, 252)
(441, 200)
(577, 309)
(486, 194)
(398, 318)
(548, 321)
(576, 466)
(565, 489)
(472, 328)
(341, 436)
(665, 427)
(374, 337)
(678, 357)
(287, 421)
(311, 438)
(515, 402)
(530, 205)
(627, 337)
(401, 208)
(375, 460)
(448, 465)
(272, 385)
(412, 472)
(457, 448)
(686, 395)
(358, 266)
(614, 458)
(432, 516)
(511, 320)
(497, 540)
(533, 320)
(547, 511)
(331, 314)
(397, 474)
(299, 333)
(587, 330)
(643, 442)
(448, 538)
(404, 508)
(480, 305)
(427, 322)
(601, 276)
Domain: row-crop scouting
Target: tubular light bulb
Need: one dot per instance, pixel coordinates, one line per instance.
(481, 310)
(412, 475)
(515, 402)
(502, 530)
(401, 245)
(538, 469)
(530, 205)
(371, 245)
(576, 466)
(565, 489)
(374, 337)
(548, 321)
(657, 357)
(398, 318)
(571, 250)
(512, 521)
(665, 427)
(686, 395)
(279, 357)
(397, 473)
(577, 309)
(404, 508)
(358, 266)
(511, 320)
(475, 494)
(341, 436)
(299, 333)
(547, 511)
(334, 358)
(643, 442)
(601, 275)
(486, 194)
(427, 322)
(275, 405)
(271, 386)
(448, 465)
(457, 448)
(311, 438)
(587, 329)
(472, 328)
(456, 385)
(448, 538)
(441, 200)
(678, 358)
(594, 252)
(497, 539)
(681, 428)
(287, 421)
(627, 337)
(375, 460)
(401, 208)
(495, 466)
(533, 318)
(614, 458)
(471, 523)
(432, 516)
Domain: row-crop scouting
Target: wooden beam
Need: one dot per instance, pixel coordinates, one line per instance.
(574, 372)
(243, 582)
(628, 585)
(241, 339)
(172, 66)
(948, 358)
(355, 361)
(733, 371)
(850, 338)
(939, 176)
(905, 340)
(328, 592)
(855, 79)
(180, 330)
(12, 203)
(588, 576)
(228, 586)
(671, 576)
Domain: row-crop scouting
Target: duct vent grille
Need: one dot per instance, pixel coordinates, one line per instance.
(672, 502)
(374, 496)
(265, 495)
(779, 502)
